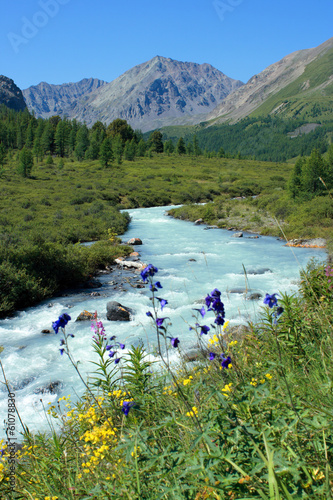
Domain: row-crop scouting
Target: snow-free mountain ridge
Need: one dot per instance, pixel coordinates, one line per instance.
(156, 93)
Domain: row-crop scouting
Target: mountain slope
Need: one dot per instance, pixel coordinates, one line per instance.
(10, 95)
(159, 92)
(290, 76)
(47, 100)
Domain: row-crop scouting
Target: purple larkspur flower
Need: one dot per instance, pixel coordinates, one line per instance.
(61, 322)
(270, 300)
(127, 405)
(163, 302)
(117, 360)
(202, 311)
(212, 356)
(111, 354)
(159, 321)
(122, 346)
(219, 320)
(226, 362)
(149, 314)
(175, 341)
(204, 329)
(61, 351)
(150, 270)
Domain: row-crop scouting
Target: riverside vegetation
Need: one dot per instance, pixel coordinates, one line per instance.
(252, 418)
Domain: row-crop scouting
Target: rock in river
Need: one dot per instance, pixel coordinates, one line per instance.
(117, 312)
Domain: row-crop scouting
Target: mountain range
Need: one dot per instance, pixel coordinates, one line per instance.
(156, 93)
(163, 92)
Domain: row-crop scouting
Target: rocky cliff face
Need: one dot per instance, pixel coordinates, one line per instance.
(10, 95)
(47, 100)
(157, 93)
(266, 84)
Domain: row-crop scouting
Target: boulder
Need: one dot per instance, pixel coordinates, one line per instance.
(130, 264)
(52, 388)
(117, 312)
(254, 296)
(198, 221)
(134, 241)
(85, 316)
(237, 235)
(46, 331)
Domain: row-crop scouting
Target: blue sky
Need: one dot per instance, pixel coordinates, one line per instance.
(60, 41)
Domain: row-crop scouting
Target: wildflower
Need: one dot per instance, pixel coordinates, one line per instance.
(61, 351)
(226, 362)
(212, 356)
(174, 342)
(163, 303)
(113, 337)
(193, 412)
(270, 300)
(112, 353)
(153, 287)
(204, 329)
(202, 311)
(149, 314)
(61, 322)
(150, 270)
(117, 360)
(127, 405)
(159, 321)
(219, 320)
(122, 346)
(269, 376)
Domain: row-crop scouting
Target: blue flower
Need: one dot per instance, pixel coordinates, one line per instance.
(202, 311)
(226, 362)
(149, 314)
(204, 329)
(122, 346)
(150, 270)
(212, 355)
(163, 302)
(116, 360)
(61, 322)
(112, 353)
(175, 341)
(219, 320)
(127, 405)
(271, 300)
(61, 351)
(159, 321)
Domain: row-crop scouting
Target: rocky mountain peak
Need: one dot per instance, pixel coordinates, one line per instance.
(159, 92)
(10, 95)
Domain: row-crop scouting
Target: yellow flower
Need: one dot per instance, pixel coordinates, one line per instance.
(193, 412)
(269, 376)
(227, 389)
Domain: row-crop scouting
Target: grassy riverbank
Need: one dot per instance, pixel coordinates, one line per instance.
(253, 422)
(43, 216)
